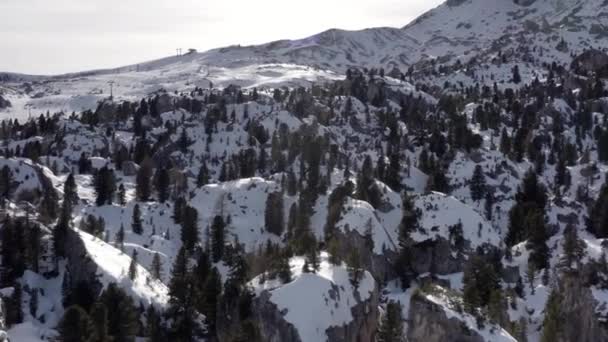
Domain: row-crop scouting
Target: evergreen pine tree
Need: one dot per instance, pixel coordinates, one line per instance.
(516, 76)
(122, 196)
(530, 197)
(75, 326)
(573, 247)
(489, 205)
(202, 178)
(273, 214)
(104, 183)
(553, 319)
(120, 237)
(537, 242)
(14, 309)
(391, 325)
(355, 270)
(143, 189)
(409, 223)
(212, 291)
(162, 184)
(123, 321)
(136, 222)
(99, 322)
(6, 177)
(157, 267)
(189, 229)
(60, 232)
(217, 238)
(133, 266)
(155, 328)
(597, 222)
(70, 193)
(478, 184)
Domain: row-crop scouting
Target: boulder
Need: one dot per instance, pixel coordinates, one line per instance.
(591, 62)
(577, 309)
(380, 266)
(435, 256)
(129, 168)
(4, 103)
(164, 103)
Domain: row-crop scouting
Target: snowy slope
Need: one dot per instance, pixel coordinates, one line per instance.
(440, 212)
(111, 269)
(314, 302)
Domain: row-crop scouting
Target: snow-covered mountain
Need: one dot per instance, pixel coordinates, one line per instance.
(456, 31)
(444, 181)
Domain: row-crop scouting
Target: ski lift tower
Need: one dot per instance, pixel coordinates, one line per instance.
(111, 83)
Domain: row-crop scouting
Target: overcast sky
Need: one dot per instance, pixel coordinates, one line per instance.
(58, 36)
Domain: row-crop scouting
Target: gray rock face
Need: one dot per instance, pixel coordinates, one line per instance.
(453, 3)
(364, 324)
(107, 111)
(429, 323)
(379, 266)
(510, 274)
(524, 3)
(435, 256)
(164, 103)
(591, 62)
(271, 324)
(579, 322)
(4, 103)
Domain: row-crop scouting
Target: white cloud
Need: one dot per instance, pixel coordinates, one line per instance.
(41, 36)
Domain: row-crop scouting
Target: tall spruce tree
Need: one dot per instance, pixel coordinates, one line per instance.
(75, 326)
(478, 184)
(133, 266)
(136, 222)
(104, 183)
(162, 184)
(273, 214)
(157, 267)
(597, 222)
(70, 192)
(123, 322)
(409, 223)
(217, 238)
(391, 325)
(99, 321)
(189, 229)
(202, 178)
(143, 188)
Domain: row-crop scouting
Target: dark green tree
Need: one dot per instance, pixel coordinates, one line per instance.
(189, 229)
(136, 222)
(75, 326)
(99, 321)
(273, 214)
(162, 184)
(123, 321)
(217, 238)
(143, 188)
(478, 184)
(391, 325)
(202, 178)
